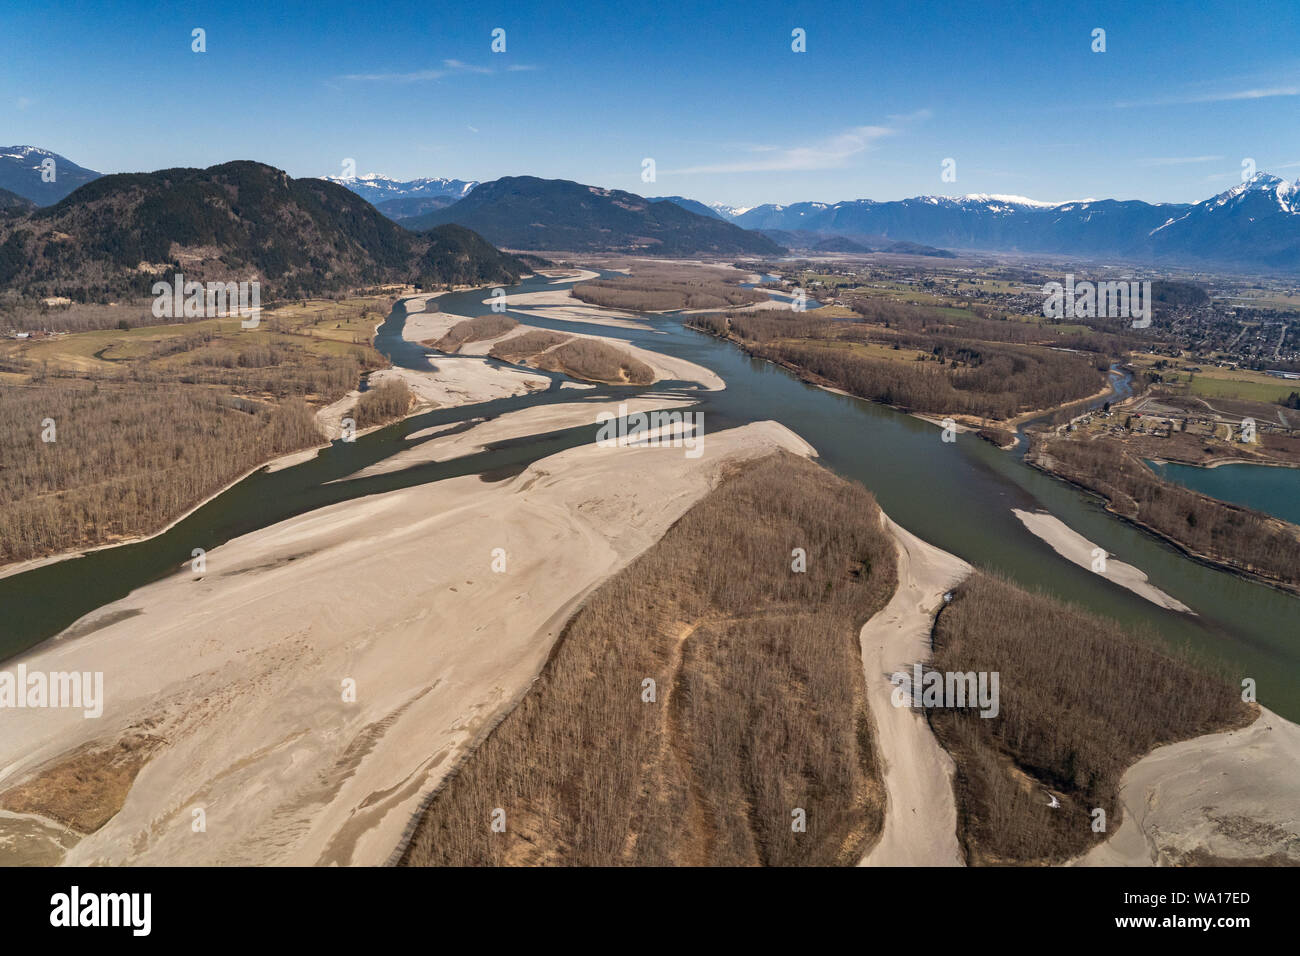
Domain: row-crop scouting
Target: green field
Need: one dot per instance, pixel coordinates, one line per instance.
(1250, 389)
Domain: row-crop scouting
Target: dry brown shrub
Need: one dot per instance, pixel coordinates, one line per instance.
(761, 699)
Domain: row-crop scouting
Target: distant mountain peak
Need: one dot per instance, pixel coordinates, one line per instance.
(1283, 192)
(377, 188)
(20, 173)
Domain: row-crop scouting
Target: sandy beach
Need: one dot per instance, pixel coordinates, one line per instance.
(517, 424)
(1225, 798)
(921, 814)
(558, 304)
(238, 678)
(1074, 547)
(426, 326)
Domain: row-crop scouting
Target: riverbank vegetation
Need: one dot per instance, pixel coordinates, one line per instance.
(921, 360)
(385, 403)
(520, 347)
(1080, 700)
(596, 361)
(1218, 531)
(474, 330)
(650, 294)
(759, 706)
(145, 423)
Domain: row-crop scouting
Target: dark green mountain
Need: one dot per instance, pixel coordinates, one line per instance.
(14, 203)
(409, 206)
(115, 236)
(524, 212)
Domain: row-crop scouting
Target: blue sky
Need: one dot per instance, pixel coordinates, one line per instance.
(885, 92)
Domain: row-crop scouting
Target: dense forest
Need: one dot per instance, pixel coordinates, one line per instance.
(596, 361)
(103, 448)
(114, 237)
(524, 212)
(126, 457)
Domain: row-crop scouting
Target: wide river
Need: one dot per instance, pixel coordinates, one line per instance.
(959, 496)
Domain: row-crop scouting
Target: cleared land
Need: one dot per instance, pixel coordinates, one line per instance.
(759, 707)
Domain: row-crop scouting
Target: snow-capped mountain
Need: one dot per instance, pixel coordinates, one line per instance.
(1255, 224)
(728, 212)
(1258, 220)
(378, 188)
(716, 210)
(21, 172)
(693, 205)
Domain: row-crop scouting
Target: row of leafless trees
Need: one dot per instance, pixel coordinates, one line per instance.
(1217, 529)
(519, 347)
(759, 708)
(384, 403)
(1080, 700)
(124, 459)
(661, 295)
(475, 330)
(597, 361)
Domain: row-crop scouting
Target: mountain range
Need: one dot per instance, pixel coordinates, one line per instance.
(117, 234)
(378, 188)
(1255, 224)
(524, 212)
(21, 169)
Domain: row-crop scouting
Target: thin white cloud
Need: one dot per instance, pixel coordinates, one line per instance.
(457, 66)
(1256, 93)
(917, 116)
(396, 77)
(449, 68)
(832, 153)
(1178, 160)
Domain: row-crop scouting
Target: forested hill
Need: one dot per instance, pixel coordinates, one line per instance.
(114, 237)
(524, 212)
